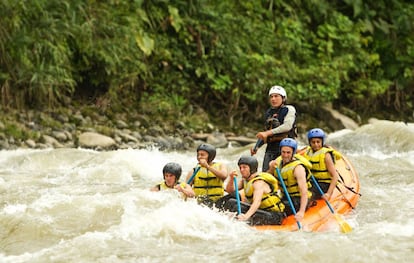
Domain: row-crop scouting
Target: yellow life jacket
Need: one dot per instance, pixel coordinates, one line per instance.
(317, 159)
(207, 184)
(163, 186)
(287, 174)
(270, 201)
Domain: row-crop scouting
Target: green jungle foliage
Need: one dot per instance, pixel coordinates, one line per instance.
(179, 57)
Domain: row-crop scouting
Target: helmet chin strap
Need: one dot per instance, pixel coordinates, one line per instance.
(250, 177)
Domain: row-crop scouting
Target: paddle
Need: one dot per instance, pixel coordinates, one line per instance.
(345, 227)
(194, 173)
(287, 195)
(236, 187)
(258, 143)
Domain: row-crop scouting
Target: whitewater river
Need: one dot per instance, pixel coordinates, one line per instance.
(76, 205)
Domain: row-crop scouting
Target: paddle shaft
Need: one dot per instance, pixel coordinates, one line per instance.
(287, 195)
(236, 189)
(322, 193)
(192, 176)
(258, 143)
(344, 226)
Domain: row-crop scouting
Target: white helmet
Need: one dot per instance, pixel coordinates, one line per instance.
(278, 90)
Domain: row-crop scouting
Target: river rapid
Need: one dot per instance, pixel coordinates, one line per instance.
(77, 205)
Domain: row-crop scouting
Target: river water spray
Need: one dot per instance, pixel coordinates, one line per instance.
(77, 205)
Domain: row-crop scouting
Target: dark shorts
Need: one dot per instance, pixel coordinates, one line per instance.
(261, 217)
(296, 204)
(316, 194)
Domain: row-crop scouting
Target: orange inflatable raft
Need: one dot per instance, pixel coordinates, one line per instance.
(320, 218)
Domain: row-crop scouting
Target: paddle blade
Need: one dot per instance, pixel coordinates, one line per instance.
(343, 225)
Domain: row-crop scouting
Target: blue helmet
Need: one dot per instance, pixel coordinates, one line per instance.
(289, 142)
(250, 161)
(210, 149)
(316, 133)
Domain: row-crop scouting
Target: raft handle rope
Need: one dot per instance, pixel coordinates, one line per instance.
(341, 181)
(345, 199)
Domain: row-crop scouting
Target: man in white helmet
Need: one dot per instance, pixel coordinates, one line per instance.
(280, 123)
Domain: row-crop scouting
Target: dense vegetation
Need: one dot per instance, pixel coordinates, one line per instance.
(178, 58)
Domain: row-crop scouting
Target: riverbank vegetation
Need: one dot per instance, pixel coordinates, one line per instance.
(208, 61)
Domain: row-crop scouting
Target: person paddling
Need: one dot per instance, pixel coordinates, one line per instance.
(295, 171)
(172, 173)
(322, 159)
(263, 206)
(207, 177)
